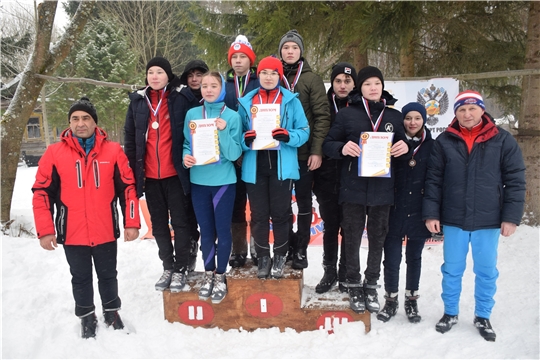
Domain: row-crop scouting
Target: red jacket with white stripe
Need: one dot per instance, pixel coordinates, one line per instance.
(84, 188)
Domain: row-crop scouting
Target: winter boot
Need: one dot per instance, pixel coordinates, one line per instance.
(219, 290)
(356, 297)
(239, 245)
(390, 307)
(178, 282)
(112, 318)
(328, 280)
(253, 251)
(484, 327)
(372, 298)
(194, 248)
(446, 323)
(265, 263)
(411, 306)
(293, 240)
(88, 326)
(164, 281)
(278, 265)
(207, 285)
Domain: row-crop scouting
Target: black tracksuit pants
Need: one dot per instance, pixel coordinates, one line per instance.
(354, 218)
(80, 265)
(269, 199)
(330, 211)
(166, 198)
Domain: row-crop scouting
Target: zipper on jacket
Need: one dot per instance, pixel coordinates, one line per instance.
(61, 221)
(269, 159)
(132, 209)
(79, 173)
(96, 173)
(157, 150)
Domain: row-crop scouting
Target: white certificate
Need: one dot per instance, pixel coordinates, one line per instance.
(264, 119)
(374, 160)
(204, 141)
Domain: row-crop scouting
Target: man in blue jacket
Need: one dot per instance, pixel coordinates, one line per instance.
(475, 187)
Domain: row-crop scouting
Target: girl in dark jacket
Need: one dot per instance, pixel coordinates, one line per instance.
(153, 141)
(361, 196)
(406, 217)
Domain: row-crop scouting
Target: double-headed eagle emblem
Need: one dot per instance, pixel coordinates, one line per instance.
(435, 100)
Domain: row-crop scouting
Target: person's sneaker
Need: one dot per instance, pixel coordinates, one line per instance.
(299, 260)
(446, 323)
(342, 286)
(278, 265)
(207, 285)
(265, 263)
(372, 297)
(164, 281)
(484, 328)
(219, 290)
(356, 298)
(112, 318)
(88, 326)
(194, 247)
(411, 307)
(390, 307)
(237, 260)
(328, 280)
(178, 282)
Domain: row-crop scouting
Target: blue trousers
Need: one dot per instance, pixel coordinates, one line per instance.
(213, 207)
(484, 244)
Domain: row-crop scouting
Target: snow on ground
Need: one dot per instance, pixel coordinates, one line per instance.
(38, 319)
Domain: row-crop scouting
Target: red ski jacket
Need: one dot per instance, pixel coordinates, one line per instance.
(84, 188)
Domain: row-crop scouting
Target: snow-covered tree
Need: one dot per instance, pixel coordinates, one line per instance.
(102, 53)
(44, 59)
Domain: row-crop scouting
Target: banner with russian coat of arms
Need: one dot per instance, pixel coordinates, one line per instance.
(436, 94)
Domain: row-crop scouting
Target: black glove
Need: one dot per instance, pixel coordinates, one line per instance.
(281, 134)
(249, 136)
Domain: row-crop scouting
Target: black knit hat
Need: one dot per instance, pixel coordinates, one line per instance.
(343, 68)
(414, 106)
(162, 63)
(83, 105)
(368, 72)
(294, 36)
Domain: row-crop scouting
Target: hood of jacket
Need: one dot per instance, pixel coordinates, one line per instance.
(73, 142)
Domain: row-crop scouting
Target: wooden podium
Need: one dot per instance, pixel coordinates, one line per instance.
(252, 303)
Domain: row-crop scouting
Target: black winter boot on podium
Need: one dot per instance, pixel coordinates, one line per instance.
(239, 245)
(372, 297)
(328, 280)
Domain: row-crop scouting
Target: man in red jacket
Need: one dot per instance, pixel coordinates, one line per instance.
(83, 175)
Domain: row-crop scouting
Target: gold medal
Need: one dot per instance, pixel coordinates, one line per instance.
(155, 125)
(412, 163)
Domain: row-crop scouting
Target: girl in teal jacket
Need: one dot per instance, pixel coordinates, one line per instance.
(213, 185)
(269, 173)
